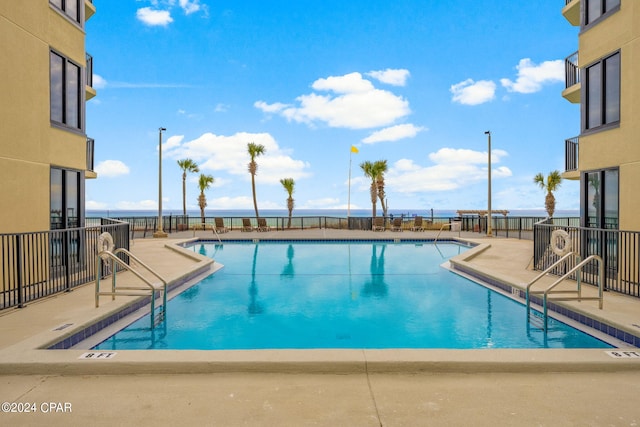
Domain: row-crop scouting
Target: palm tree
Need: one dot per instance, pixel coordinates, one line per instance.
(187, 165)
(552, 184)
(369, 172)
(288, 184)
(381, 167)
(254, 150)
(204, 183)
(373, 171)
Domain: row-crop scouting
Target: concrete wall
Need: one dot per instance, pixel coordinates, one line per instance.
(29, 144)
(618, 147)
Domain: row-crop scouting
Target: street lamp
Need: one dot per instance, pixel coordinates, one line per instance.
(159, 232)
(489, 230)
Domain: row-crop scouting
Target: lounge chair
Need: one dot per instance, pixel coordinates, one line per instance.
(246, 225)
(417, 224)
(378, 224)
(220, 228)
(397, 224)
(262, 225)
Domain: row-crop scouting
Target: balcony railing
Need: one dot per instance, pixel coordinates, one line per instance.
(571, 70)
(571, 154)
(90, 155)
(89, 70)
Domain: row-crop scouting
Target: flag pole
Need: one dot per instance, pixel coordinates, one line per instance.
(349, 192)
(353, 149)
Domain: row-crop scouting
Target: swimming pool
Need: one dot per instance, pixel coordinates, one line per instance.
(373, 294)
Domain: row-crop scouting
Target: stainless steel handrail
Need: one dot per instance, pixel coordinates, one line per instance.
(150, 288)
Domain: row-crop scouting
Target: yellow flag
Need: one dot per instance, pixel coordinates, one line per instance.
(354, 149)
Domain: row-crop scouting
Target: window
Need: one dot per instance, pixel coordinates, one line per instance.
(71, 8)
(596, 9)
(65, 96)
(602, 93)
(601, 199)
(66, 198)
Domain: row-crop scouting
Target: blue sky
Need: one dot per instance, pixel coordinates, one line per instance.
(413, 82)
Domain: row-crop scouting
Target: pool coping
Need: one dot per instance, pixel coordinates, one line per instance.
(28, 356)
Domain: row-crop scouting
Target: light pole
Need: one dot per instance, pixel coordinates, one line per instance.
(159, 232)
(489, 230)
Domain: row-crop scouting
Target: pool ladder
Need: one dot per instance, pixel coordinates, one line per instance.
(577, 292)
(149, 290)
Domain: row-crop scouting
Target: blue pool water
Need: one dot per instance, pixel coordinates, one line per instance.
(300, 295)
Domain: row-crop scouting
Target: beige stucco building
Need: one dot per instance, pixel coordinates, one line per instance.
(45, 80)
(601, 78)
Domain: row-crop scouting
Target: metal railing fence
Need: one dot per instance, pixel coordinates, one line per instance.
(571, 153)
(39, 264)
(619, 250)
(571, 70)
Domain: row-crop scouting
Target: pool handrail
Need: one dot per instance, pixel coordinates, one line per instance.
(150, 288)
(577, 268)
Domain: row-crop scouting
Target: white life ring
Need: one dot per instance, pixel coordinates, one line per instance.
(105, 243)
(560, 242)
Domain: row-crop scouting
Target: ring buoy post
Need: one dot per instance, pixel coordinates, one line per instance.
(105, 244)
(560, 242)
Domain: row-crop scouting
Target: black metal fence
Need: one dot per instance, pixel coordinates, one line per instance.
(571, 70)
(619, 250)
(571, 153)
(502, 226)
(38, 264)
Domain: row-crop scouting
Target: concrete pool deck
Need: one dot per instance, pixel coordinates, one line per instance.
(319, 387)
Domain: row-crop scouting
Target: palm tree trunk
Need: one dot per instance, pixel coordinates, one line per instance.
(253, 188)
(184, 194)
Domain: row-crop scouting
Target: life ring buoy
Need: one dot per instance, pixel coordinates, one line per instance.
(105, 243)
(560, 242)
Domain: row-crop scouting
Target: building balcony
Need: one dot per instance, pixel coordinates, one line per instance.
(89, 9)
(571, 170)
(572, 79)
(89, 91)
(571, 12)
(90, 173)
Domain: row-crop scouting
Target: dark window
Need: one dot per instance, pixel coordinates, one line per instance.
(601, 199)
(602, 92)
(71, 8)
(66, 197)
(65, 91)
(595, 9)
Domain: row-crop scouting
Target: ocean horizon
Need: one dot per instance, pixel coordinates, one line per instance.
(339, 213)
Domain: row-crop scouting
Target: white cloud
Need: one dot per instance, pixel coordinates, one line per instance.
(221, 108)
(95, 206)
(393, 133)
(270, 108)
(326, 203)
(353, 103)
(98, 82)
(229, 153)
(470, 92)
(391, 77)
(111, 169)
(152, 17)
(172, 142)
(452, 169)
(141, 205)
(532, 77)
(190, 7)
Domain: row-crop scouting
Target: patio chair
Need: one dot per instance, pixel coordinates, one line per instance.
(378, 224)
(417, 224)
(397, 224)
(246, 225)
(262, 225)
(220, 228)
